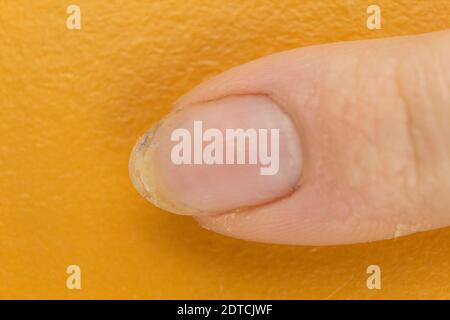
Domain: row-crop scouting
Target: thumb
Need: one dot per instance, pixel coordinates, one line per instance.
(331, 144)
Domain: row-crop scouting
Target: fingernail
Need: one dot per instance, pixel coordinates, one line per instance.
(219, 156)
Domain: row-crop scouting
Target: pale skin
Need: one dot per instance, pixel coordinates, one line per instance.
(364, 152)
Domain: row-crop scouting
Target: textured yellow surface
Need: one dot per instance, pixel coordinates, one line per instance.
(72, 103)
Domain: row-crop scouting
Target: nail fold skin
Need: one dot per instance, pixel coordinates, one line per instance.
(203, 182)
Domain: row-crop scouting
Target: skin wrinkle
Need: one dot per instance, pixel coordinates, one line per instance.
(372, 118)
(416, 131)
(349, 120)
(435, 128)
(413, 181)
(365, 79)
(442, 88)
(398, 97)
(409, 129)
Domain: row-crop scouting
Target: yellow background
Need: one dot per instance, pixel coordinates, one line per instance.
(73, 102)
